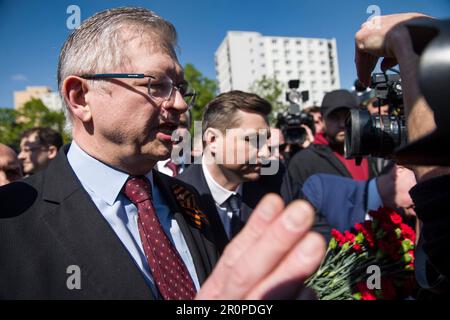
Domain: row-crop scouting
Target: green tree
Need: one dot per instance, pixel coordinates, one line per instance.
(206, 89)
(270, 89)
(32, 114)
(9, 129)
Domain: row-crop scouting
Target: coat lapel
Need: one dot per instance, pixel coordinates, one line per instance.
(200, 247)
(86, 237)
(208, 204)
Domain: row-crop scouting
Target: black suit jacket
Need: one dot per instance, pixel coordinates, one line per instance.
(49, 222)
(252, 192)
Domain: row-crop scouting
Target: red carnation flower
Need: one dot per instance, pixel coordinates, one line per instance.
(366, 293)
(395, 218)
(408, 232)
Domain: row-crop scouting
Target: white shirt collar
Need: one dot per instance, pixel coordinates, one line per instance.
(219, 193)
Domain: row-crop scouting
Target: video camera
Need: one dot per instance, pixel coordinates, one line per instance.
(377, 135)
(290, 121)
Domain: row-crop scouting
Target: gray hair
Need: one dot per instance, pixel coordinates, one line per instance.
(97, 45)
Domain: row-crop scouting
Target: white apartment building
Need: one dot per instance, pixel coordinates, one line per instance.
(52, 100)
(244, 57)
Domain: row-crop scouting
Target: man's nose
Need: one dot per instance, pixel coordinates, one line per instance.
(176, 102)
(264, 151)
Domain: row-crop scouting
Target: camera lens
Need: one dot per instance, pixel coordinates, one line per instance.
(375, 135)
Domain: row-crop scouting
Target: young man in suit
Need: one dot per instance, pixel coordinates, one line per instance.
(230, 179)
(100, 223)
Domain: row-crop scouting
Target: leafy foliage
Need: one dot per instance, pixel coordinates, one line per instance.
(270, 89)
(32, 114)
(206, 89)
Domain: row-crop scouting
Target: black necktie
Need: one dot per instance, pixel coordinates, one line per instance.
(234, 201)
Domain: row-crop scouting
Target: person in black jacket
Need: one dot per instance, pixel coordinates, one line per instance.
(230, 122)
(95, 222)
(329, 158)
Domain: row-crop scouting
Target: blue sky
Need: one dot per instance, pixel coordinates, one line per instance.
(32, 31)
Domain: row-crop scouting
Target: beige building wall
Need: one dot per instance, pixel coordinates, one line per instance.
(33, 92)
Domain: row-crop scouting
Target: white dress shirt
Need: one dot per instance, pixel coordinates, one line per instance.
(220, 196)
(103, 184)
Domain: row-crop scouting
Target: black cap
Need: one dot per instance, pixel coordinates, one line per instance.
(337, 99)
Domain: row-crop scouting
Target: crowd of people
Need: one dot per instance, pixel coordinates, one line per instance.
(141, 225)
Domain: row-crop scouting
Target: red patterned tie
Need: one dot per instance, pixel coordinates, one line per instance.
(168, 269)
(173, 167)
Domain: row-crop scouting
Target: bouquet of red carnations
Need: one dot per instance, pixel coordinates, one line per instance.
(373, 261)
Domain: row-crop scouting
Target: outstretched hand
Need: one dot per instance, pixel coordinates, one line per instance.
(380, 37)
(271, 257)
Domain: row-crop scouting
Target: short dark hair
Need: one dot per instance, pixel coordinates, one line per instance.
(46, 136)
(220, 113)
(313, 109)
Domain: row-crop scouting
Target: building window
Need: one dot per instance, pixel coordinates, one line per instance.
(298, 42)
(299, 52)
(287, 52)
(289, 72)
(275, 51)
(274, 41)
(288, 62)
(286, 42)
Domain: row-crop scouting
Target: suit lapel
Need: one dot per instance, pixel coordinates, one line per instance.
(192, 234)
(86, 237)
(211, 209)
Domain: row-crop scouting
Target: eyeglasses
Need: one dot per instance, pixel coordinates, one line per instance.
(158, 89)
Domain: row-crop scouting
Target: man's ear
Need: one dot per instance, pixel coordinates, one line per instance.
(52, 152)
(74, 91)
(211, 137)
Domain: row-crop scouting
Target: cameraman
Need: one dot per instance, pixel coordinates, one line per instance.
(329, 158)
(388, 37)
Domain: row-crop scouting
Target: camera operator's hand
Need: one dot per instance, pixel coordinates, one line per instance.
(382, 36)
(271, 257)
(309, 137)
